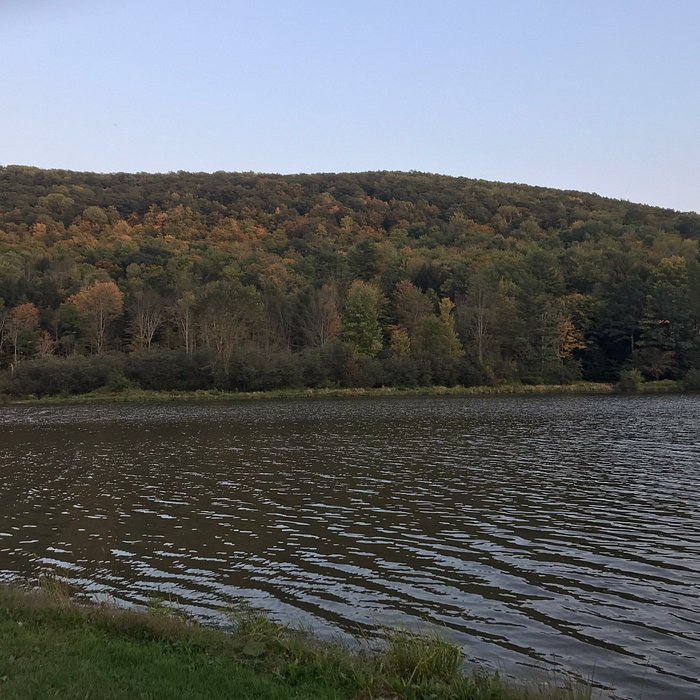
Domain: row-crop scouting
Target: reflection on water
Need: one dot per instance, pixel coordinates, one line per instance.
(540, 532)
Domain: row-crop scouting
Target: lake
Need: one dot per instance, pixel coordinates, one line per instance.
(555, 533)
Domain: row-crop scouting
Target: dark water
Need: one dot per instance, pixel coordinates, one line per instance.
(555, 533)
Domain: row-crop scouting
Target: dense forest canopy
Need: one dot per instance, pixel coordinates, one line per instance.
(248, 281)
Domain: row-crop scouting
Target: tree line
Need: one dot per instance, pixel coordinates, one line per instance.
(245, 281)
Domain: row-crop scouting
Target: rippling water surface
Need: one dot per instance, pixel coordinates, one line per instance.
(557, 533)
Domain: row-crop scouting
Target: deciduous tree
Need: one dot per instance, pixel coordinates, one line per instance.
(99, 304)
(148, 313)
(22, 326)
(320, 319)
(361, 326)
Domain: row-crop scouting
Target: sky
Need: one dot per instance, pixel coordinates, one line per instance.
(598, 96)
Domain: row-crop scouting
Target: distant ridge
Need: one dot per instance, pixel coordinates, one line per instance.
(75, 175)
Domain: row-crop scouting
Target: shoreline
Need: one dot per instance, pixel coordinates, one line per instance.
(152, 396)
(51, 644)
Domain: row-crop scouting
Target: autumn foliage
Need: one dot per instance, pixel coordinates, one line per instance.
(98, 304)
(246, 281)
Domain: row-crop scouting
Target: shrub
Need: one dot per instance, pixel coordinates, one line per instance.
(630, 380)
(314, 372)
(118, 384)
(75, 374)
(691, 380)
(401, 371)
(169, 370)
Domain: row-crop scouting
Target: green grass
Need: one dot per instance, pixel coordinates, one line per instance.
(52, 647)
(145, 396)
(662, 386)
(141, 395)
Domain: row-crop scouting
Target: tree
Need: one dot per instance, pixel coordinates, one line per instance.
(46, 345)
(620, 291)
(22, 325)
(4, 316)
(569, 338)
(411, 305)
(655, 361)
(364, 260)
(148, 313)
(279, 306)
(320, 319)
(447, 321)
(99, 305)
(671, 302)
(547, 285)
(436, 335)
(549, 330)
(654, 351)
(400, 342)
(182, 312)
(475, 311)
(226, 313)
(361, 327)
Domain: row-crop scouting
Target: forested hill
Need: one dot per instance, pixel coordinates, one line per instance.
(245, 281)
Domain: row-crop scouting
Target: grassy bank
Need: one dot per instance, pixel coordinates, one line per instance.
(53, 647)
(140, 395)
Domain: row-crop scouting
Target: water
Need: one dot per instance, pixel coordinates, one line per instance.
(540, 533)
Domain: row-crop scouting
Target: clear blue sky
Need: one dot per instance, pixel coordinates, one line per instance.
(590, 95)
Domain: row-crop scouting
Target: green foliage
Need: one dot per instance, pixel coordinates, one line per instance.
(691, 380)
(162, 369)
(630, 380)
(452, 342)
(361, 327)
(257, 282)
(76, 374)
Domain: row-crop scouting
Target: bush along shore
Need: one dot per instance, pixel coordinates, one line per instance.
(53, 646)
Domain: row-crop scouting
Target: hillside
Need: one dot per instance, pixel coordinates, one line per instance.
(245, 282)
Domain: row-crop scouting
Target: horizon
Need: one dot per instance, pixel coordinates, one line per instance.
(585, 98)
